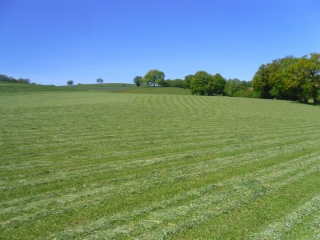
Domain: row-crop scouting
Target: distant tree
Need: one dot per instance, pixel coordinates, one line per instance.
(234, 85)
(100, 80)
(200, 83)
(70, 82)
(5, 78)
(261, 81)
(163, 83)
(137, 80)
(153, 77)
(218, 84)
(24, 80)
(205, 84)
(187, 81)
(175, 83)
(178, 83)
(246, 94)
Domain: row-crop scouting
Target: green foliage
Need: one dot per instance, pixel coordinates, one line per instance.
(280, 79)
(205, 84)
(219, 84)
(70, 82)
(163, 83)
(246, 94)
(290, 78)
(5, 78)
(187, 81)
(100, 165)
(137, 80)
(234, 85)
(175, 83)
(261, 81)
(100, 80)
(153, 77)
(307, 76)
(200, 83)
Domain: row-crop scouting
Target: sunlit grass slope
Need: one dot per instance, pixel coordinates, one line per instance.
(10, 88)
(132, 88)
(100, 165)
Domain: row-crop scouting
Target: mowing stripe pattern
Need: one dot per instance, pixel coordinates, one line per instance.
(98, 165)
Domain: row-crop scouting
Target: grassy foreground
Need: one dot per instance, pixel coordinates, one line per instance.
(101, 165)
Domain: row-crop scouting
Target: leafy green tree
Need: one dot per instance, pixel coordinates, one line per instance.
(290, 78)
(163, 83)
(205, 84)
(187, 81)
(218, 84)
(279, 79)
(261, 81)
(153, 77)
(201, 83)
(100, 80)
(246, 94)
(247, 84)
(137, 80)
(175, 83)
(303, 77)
(70, 82)
(234, 85)
(311, 75)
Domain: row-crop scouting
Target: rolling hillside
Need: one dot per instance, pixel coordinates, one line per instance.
(104, 165)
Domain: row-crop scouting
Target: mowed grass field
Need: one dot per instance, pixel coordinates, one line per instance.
(103, 165)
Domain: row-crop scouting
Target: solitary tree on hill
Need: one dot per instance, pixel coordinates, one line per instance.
(153, 77)
(100, 80)
(70, 82)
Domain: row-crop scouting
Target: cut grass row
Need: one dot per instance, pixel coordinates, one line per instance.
(105, 165)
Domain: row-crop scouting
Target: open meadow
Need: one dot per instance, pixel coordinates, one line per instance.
(86, 164)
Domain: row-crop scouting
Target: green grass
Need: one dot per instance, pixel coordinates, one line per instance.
(9, 88)
(132, 88)
(100, 165)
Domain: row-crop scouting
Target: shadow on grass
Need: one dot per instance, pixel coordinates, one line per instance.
(308, 104)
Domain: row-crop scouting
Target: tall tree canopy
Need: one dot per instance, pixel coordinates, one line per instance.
(219, 83)
(187, 81)
(200, 83)
(290, 78)
(153, 77)
(205, 84)
(261, 81)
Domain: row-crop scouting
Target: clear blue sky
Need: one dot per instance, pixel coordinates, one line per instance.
(53, 41)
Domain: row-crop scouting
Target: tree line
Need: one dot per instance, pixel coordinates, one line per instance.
(201, 83)
(5, 78)
(290, 78)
